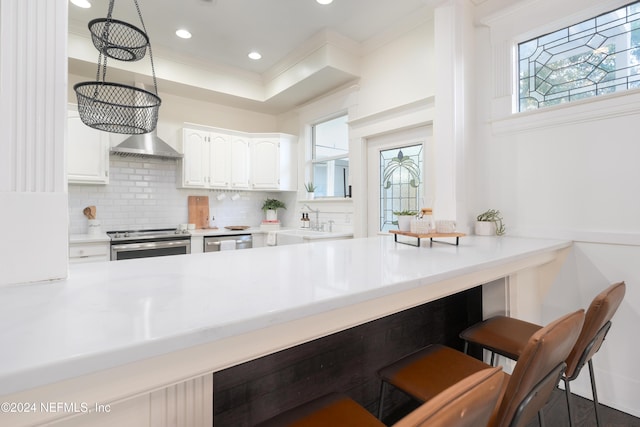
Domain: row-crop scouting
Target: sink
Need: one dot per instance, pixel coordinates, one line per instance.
(291, 237)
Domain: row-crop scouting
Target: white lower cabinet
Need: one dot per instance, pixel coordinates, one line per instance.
(259, 240)
(88, 252)
(197, 244)
(87, 152)
(224, 159)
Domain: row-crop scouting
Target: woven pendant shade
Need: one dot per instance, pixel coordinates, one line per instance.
(115, 107)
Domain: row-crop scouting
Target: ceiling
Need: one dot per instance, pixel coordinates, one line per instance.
(225, 31)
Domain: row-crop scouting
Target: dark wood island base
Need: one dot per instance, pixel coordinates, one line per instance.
(346, 361)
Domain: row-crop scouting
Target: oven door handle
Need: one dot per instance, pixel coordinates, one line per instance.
(150, 245)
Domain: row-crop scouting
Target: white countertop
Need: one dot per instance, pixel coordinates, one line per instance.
(108, 314)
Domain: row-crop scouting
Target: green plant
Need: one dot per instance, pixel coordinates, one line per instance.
(310, 187)
(272, 204)
(493, 215)
(405, 212)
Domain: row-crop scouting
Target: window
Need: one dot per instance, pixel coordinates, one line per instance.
(595, 57)
(400, 183)
(330, 158)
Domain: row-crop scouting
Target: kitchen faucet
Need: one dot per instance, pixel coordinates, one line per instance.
(316, 225)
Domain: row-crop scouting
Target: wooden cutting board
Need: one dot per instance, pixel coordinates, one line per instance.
(199, 211)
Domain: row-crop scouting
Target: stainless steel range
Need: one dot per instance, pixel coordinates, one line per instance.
(148, 243)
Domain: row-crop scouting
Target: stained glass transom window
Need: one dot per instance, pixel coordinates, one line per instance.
(598, 56)
(401, 183)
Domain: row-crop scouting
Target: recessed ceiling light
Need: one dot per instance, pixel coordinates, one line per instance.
(183, 34)
(254, 55)
(325, 1)
(82, 3)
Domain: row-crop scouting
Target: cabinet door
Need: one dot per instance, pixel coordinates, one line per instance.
(288, 163)
(195, 163)
(219, 165)
(87, 153)
(265, 163)
(240, 155)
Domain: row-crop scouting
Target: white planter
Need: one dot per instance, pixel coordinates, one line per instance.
(272, 215)
(310, 195)
(404, 222)
(485, 228)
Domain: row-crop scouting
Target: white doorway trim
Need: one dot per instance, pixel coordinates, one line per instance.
(418, 135)
(418, 113)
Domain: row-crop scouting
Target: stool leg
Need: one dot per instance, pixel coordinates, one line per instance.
(595, 393)
(540, 418)
(567, 393)
(383, 389)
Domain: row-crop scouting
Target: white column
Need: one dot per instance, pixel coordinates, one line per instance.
(33, 97)
(452, 40)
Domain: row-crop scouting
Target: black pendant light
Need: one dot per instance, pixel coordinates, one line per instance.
(115, 107)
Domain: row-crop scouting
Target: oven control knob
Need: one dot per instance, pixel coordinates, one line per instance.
(126, 234)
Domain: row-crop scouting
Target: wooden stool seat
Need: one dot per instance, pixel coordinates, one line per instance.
(467, 403)
(329, 410)
(500, 334)
(426, 372)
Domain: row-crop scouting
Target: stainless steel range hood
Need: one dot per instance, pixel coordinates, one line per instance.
(145, 145)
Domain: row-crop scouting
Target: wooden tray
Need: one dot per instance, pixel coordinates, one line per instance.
(237, 227)
(425, 236)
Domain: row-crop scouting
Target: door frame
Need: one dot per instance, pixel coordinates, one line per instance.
(397, 139)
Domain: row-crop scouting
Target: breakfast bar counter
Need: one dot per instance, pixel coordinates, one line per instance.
(118, 335)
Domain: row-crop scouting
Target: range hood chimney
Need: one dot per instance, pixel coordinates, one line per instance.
(145, 145)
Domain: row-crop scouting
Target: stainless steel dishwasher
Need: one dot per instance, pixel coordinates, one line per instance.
(214, 243)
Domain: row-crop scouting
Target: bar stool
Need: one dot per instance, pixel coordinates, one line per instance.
(424, 373)
(468, 403)
(508, 336)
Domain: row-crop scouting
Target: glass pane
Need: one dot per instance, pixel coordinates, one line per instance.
(330, 177)
(331, 138)
(401, 183)
(581, 60)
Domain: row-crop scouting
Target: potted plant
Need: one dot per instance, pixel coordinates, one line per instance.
(404, 219)
(310, 190)
(490, 223)
(271, 206)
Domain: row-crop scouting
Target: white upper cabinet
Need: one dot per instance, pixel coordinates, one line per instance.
(195, 147)
(219, 166)
(224, 159)
(87, 152)
(240, 152)
(265, 163)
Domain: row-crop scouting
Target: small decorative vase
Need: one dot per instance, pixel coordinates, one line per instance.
(485, 228)
(272, 215)
(310, 195)
(404, 222)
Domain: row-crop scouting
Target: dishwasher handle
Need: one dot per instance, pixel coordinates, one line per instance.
(212, 244)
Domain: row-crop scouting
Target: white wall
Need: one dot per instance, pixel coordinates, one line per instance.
(397, 73)
(569, 172)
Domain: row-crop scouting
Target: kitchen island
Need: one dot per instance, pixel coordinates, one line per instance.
(123, 340)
